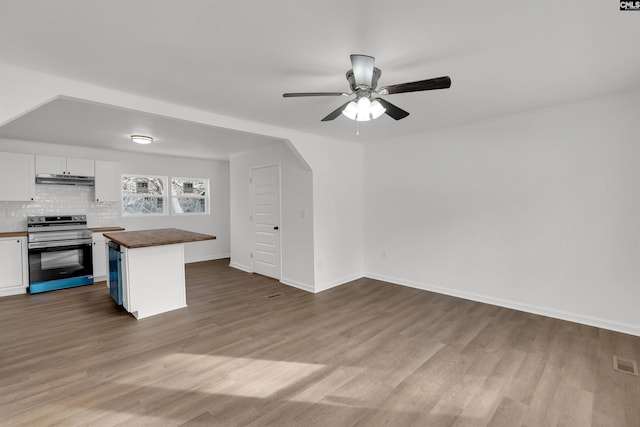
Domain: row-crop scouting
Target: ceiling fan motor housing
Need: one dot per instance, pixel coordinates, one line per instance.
(374, 79)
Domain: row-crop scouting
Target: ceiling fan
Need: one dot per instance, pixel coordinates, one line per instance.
(368, 104)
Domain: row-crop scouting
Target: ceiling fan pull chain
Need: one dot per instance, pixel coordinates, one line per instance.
(357, 127)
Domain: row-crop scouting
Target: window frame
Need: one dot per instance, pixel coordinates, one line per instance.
(164, 196)
(206, 197)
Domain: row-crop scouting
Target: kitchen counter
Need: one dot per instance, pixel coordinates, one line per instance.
(148, 269)
(105, 229)
(158, 237)
(13, 234)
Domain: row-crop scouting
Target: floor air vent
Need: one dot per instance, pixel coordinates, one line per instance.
(622, 364)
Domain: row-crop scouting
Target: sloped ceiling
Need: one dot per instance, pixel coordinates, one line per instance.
(70, 121)
(237, 57)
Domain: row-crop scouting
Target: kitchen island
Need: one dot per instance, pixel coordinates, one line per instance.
(146, 269)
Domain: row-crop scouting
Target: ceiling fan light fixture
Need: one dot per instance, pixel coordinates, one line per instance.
(351, 110)
(364, 109)
(141, 139)
(377, 109)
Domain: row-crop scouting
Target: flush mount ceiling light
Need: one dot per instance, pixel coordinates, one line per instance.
(368, 103)
(141, 139)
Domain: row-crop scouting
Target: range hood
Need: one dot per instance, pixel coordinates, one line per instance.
(47, 178)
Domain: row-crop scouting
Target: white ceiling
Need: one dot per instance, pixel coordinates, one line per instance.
(237, 57)
(76, 122)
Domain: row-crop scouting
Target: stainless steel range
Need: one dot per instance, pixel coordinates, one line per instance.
(60, 252)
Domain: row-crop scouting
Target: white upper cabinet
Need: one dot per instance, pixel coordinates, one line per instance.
(107, 182)
(81, 167)
(52, 165)
(17, 177)
(64, 166)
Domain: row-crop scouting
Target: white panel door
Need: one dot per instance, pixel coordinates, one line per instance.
(265, 216)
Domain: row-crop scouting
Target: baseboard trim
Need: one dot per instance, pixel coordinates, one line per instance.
(543, 311)
(15, 290)
(207, 258)
(295, 284)
(241, 267)
(334, 283)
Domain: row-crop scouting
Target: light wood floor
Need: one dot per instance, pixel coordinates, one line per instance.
(364, 354)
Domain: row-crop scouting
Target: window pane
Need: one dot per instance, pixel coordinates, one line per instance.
(142, 185)
(191, 187)
(190, 195)
(188, 205)
(143, 195)
(134, 205)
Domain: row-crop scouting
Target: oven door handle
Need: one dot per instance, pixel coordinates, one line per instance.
(58, 243)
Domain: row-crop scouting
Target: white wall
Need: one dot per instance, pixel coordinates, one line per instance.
(296, 231)
(538, 211)
(338, 208)
(50, 199)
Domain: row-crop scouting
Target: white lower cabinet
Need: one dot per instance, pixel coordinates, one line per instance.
(14, 264)
(99, 257)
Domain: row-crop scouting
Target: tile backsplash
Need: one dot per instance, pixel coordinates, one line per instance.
(59, 199)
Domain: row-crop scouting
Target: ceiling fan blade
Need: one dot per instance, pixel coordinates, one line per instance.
(362, 66)
(298, 94)
(429, 84)
(393, 111)
(335, 113)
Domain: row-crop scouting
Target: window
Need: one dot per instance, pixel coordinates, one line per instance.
(189, 196)
(143, 195)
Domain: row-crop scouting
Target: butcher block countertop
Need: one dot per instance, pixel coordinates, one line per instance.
(13, 234)
(159, 237)
(105, 229)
